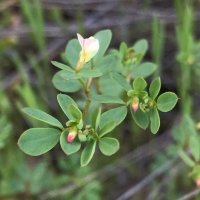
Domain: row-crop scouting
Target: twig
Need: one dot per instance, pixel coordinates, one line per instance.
(129, 193)
(6, 4)
(190, 195)
(51, 49)
(173, 172)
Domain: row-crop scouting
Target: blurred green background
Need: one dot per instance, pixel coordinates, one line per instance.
(32, 33)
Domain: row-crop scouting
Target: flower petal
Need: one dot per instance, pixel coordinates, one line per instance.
(91, 46)
(81, 40)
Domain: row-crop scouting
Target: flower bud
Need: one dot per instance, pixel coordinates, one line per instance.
(198, 182)
(90, 47)
(82, 138)
(72, 134)
(135, 103)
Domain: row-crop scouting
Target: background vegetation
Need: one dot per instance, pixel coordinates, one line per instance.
(147, 166)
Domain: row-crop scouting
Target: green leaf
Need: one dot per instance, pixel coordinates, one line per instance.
(107, 64)
(107, 86)
(144, 70)
(96, 118)
(139, 84)
(195, 172)
(115, 114)
(64, 101)
(75, 112)
(42, 116)
(154, 88)
(155, 120)
(108, 146)
(70, 75)
(186, 158)
(120, 80)
(106, 99)
(69, 147)
(37, 141)
(65, 85)
(90, 73)
(88, 153)
(72, 52)
(141, 118)
(104, 38)
(62, 66)
(194, 147)
(108, 127)
(140, 46)
(122, 49)
(188, 125)
(167, 101)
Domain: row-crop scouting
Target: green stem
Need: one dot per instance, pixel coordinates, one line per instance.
(86, 109)
(87, 93)
(128, 102)
(86, 89)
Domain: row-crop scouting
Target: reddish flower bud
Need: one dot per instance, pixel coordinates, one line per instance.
(198, 182)
(135, 104)
(135, 107)
(71, 136)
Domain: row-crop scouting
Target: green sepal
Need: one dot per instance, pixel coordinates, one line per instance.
(108, 146)
(139, 84)
(37, 141)
(80, 124)
(141, 118)
(154, 88)
(71, 123)
(42, 116)
(132, 93)
(166, 101)
(96, 118)
(108, 127)
(155, 120)
(88, 153)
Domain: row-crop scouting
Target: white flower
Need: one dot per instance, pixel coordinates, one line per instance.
(90, 47)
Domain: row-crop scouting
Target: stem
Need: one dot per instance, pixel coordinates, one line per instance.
(86, 89)
(86, 109)
(128, 102)
(87, 93)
